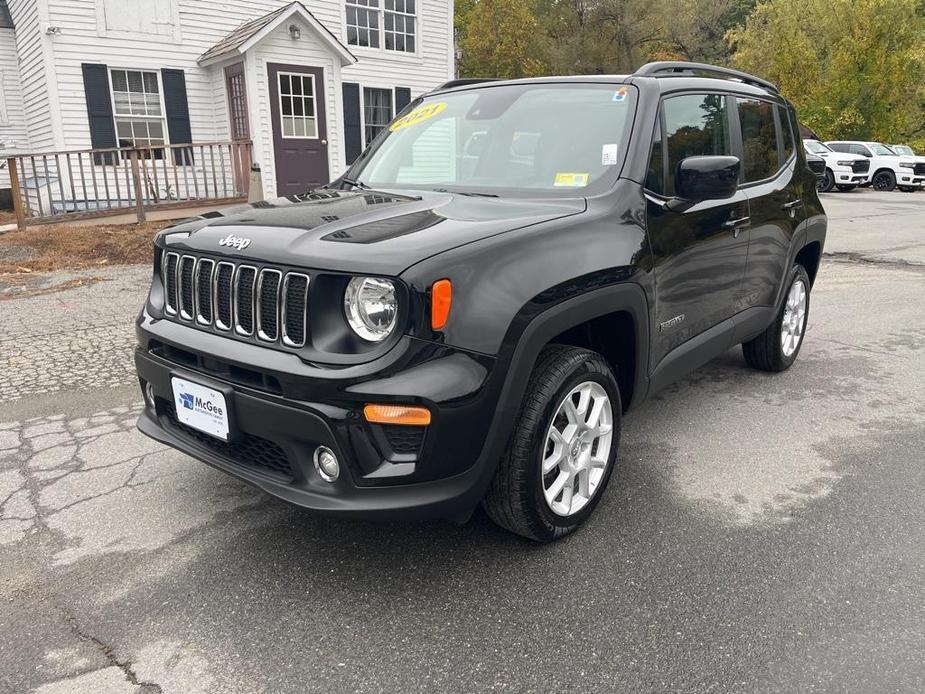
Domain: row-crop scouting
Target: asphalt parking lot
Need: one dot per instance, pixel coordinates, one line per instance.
(762, 533)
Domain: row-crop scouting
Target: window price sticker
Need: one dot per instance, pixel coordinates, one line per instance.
(609, 155)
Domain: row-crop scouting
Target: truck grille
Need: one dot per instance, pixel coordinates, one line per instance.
(267, 302)
(861, 166)
(919, 169)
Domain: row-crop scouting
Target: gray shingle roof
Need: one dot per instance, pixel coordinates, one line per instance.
(6, 21)
(241, 35)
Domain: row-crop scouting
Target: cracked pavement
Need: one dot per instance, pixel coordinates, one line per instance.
(762, 533)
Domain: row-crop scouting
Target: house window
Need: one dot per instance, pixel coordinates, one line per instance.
(395, 20)
(377, 111)
(297, 105)
(398, 21)
(363, 23)
(137, 108)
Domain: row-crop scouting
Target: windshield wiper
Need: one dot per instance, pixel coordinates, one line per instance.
(354, 184)
(470, 193)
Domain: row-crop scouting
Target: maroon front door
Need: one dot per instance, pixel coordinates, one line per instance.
(300, 138)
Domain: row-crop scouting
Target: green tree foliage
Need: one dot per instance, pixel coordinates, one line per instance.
(498, 38)
(853, 68)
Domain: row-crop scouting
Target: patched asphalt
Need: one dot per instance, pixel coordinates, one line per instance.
(763, 533)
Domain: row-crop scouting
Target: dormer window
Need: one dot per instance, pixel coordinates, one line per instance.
(391, 24)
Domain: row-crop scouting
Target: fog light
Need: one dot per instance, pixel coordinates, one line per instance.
(326, 464)
(149, 395)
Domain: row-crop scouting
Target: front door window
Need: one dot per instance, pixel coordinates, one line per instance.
(298, 117)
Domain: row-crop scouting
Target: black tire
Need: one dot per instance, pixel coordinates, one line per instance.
(884, 180)
(515, 498)
(826, 183)
(845, 189)
(765, 352)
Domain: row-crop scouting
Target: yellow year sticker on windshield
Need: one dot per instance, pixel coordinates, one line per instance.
(418, 115)
(571, 180)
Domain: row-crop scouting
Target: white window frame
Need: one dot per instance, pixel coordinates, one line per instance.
(279, 97)
(363, 88)
(380, 11)
(160, 93)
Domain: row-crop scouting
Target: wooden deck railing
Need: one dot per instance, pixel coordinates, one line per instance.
(54, 186)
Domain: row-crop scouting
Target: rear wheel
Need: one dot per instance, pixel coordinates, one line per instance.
(826, 183)
(884, 180)
(777, 347)
(563, 448)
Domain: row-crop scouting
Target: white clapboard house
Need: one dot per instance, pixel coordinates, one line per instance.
(305, 84)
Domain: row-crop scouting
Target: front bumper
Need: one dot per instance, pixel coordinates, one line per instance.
(283, 409)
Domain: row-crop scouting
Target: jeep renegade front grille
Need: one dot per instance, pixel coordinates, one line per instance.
(860, 166)
(268, 303)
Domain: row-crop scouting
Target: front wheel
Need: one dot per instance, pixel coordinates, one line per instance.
(884, 180)
(777, 347)
(563, 448)
(826, 183)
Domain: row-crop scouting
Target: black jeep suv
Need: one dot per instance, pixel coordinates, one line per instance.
(465, 315)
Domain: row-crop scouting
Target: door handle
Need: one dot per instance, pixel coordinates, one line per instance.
(737, 225)
(793, 203)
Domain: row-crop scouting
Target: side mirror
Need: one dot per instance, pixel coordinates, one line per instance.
(707, 178)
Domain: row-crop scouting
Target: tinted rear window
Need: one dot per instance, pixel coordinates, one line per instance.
(759, 139)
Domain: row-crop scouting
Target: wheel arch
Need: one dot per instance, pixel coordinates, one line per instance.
(619, 311)
(809, 256)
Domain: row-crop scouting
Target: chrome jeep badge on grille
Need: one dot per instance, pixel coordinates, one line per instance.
(233, 241)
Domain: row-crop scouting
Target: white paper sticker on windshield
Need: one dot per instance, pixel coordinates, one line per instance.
(608, 155)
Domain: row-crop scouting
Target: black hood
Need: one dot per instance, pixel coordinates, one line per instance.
(360, 231)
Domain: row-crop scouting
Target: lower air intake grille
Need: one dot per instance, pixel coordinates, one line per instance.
(404, 439)
(247, 450)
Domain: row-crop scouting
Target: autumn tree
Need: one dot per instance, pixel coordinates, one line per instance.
(853, 68)
(498, 38)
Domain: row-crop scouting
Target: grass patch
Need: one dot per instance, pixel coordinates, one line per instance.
(70, 247)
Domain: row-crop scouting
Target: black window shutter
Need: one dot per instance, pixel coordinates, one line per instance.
(353, 123)
(176, 107)
(402, 98)
(99, 110)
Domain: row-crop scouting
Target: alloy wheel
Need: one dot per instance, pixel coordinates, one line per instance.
(794, 322)
(577, 448)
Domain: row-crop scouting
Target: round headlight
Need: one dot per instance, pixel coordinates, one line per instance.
(371, 307)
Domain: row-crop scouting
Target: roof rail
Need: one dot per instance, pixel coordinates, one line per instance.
(464, 81)
(673, 68)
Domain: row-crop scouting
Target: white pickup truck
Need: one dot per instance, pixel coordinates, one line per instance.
(843, 171)
(889, 169)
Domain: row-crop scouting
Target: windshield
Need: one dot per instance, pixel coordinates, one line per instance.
(902, 149)
(882, 150)
(816, 147)
(539, 139)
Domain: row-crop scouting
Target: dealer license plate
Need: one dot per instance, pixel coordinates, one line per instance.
(200, 407)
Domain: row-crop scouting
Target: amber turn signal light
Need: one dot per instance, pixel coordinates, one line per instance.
(397, 414)
(441, 298)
